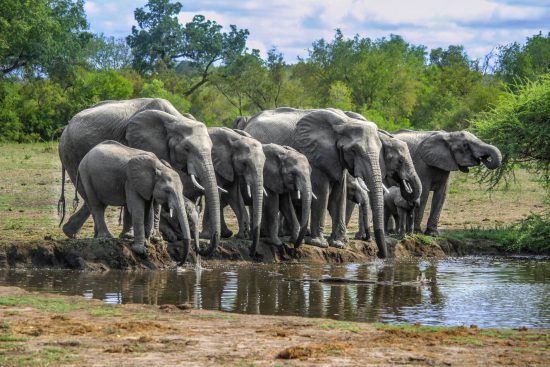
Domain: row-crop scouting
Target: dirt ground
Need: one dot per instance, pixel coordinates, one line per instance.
(44, 329)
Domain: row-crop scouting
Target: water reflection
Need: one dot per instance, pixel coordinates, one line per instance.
(482, 291)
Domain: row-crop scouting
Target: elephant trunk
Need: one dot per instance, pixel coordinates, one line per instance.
(491, 156)
(184, 227)
(257, 208)
(208, 179)
(376, 195)
(305, 190)
(410, 184)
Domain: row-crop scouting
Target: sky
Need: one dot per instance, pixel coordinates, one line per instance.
(292, 25)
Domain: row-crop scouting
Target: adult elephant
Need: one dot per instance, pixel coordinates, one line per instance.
(150, 124)
(435, 154)
(238, 159)
(333, 143)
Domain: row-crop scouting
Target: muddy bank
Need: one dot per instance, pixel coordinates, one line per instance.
(44, 329)
(98, 255)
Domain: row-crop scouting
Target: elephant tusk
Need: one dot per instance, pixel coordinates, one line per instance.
(198, 201)
(222, 190)
(197, 185)
(407, 186)
(265, 192)
(313, 196)
(171, 212)
(298, 192)
(385, 189)
(362, 184)
(248, 191)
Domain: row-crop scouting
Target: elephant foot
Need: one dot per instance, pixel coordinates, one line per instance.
(417, 230)
(243, 235)
(226, 233)
(336, 243)
(274, 241)
(205, 235)
(69, 232)
(139, 249)
(362, 236)
(126, 235)
(256, 256)
(317, 242)
(432, 232)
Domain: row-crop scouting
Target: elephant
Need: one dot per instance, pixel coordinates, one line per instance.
(238, 159)
(150, 124)
(114, 174)
(401, 209)
(170, 228)
(357, 195)
(286, 177)
(333, 143)
(435, 154)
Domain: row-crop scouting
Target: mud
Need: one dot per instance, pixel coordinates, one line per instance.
(101, 255)
(43, 329)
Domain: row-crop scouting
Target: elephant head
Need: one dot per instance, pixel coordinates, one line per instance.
(185, 143)
(333, 142)
(458, 151)
(398, 167)
(239, 157)
(289, 172)
(355, 191)
(153, 179)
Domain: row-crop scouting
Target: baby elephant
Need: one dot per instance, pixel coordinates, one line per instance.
(401, 210)
(114, 174)
(170, 228)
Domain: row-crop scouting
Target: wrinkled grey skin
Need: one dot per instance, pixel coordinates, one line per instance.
(332, 143)
(114, 174)
(150, 124)
(397, 169)
(358, 196)
(238, 160)
(400, 209)
(170, 227)
(435, 154)
(286, 171)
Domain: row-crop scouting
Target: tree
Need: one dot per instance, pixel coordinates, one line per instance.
(41, 36)
(157, 41)
(108, 53)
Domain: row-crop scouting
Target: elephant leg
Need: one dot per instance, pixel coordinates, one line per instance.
(419, 211)
(350, 205)
(149, 220)
(437, 205)
(136, 206)
(401, 221)
(237, 205)
(410, 221)
(289, 215)
(127, 230)
(363, 233)
(337, 209)
(271, 219)
(97, 209)
(76, 221)
(156, 235)
(320, 186)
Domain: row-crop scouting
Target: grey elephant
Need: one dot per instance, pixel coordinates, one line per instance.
(435, 154)
(400, 209)
(170, 227)
(150, 124)
(114, 174)
(286, 178)
(332, 142)
(238, 159)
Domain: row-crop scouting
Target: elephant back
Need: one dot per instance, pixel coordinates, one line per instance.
(275, 126)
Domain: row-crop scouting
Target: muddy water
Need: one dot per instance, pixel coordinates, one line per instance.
(488, 292)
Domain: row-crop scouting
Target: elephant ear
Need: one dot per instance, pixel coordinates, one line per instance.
(222, 153)
(435, 151)
(290, 148)
(166, 163)
(189, 116)
(147, 130)
(384, 133)
(273, 178)
(141, 173)
(316, 136)
(355, 115)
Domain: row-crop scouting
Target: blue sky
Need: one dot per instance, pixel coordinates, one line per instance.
(292, 25)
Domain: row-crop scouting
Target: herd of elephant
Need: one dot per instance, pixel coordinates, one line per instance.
(280, 171)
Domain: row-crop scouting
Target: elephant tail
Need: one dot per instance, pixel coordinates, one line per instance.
(75, 200)
(61, 202)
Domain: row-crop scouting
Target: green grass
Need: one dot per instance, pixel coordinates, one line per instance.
(411, 328)
(57, 305)
(354, 327)
(49, 356)
(221, 316)
(105, 311)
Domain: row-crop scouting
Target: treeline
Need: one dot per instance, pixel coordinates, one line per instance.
(51, 67)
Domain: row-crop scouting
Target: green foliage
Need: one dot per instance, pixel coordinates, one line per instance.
(156, 89)
(531, 234)
(108, 53)
(41, 36)
(339, 96)
(519, 126)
